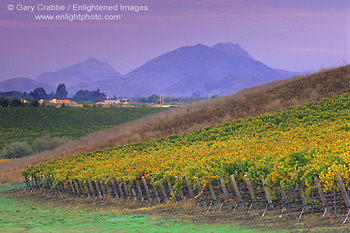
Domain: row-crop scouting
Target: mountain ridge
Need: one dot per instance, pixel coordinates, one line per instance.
(224, 67)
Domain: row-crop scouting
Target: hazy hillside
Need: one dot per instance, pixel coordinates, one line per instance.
(249, 102)
(172, 73)
(232, 49)
(24, 85)
(88, 71)
(197, 70)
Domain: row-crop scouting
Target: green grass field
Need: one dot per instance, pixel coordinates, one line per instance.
(21, 215)
(28, 124)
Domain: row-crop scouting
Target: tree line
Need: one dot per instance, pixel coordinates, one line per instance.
(16, 98)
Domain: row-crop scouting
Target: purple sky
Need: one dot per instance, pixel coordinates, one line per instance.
(294, 35)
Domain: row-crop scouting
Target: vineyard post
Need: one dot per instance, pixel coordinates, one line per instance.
(170, 186)
(162, 189)
(212, 193)
(188, 183)
(267, 194)
(41, 186)
(98, 189)
(77, 188)
(139, 190)
(120, 190)
(82, 189)
(343, 191)
(103, 189)
(126, 190)
(108, 190)
(42, 189)
(91, 189)
(54, 188)
(154, 189)
(64, 187)
(36, 184)
(303, 198)
(114, 188)
(227, 196)
(47, 186)
(41, 183)
(29, 183)
(199, 187)
(321, 193)
(60, 185)
(132, 189)
(27, 186)
(251, 191)
(147, 189)
(285, 200)
(72, 187)
(238, 194)
(180, 189)
(50, 186)
(32, 182)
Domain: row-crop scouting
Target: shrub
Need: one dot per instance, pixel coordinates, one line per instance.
(16, 150)
(47, 143)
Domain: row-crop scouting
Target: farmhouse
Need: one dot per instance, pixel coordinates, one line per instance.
(114, 102)
(66, 102)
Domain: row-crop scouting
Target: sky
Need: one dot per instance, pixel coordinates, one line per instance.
(295, 35)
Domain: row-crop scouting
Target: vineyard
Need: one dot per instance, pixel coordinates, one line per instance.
(305, 147)
(67, 122)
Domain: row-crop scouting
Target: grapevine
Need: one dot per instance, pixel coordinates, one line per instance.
(284, 147)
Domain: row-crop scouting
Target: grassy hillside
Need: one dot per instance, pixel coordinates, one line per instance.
(249, 102)
(28, 124)
(286, 146)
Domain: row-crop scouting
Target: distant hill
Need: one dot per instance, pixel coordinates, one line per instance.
(174, 73)
(24, 85)
(197, 70)
(88, 71)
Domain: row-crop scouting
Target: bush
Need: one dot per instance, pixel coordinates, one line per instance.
(16, 150)
(21, 149)
(16, 102)
(47, 143)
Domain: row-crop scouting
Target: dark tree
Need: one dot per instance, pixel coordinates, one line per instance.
(93, 96)
(82, 95)
(39, 93)
(16, 102)
(61, 91)
(97, 96)
(4, 102)
(153, 98)
(34, 103)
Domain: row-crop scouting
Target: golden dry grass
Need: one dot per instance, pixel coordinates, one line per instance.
(5, 160)
(254, 101)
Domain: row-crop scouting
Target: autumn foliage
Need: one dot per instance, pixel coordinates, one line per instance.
(284, 147)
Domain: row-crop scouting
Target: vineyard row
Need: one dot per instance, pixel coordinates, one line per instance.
(218, 194)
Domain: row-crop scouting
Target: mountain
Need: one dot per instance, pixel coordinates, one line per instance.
(202, 85)
(232, 49)
(201, 69)
(197, 70)
(24, 85)
(86, 72)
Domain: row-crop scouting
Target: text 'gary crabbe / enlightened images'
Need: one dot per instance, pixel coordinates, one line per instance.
(73, 12)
